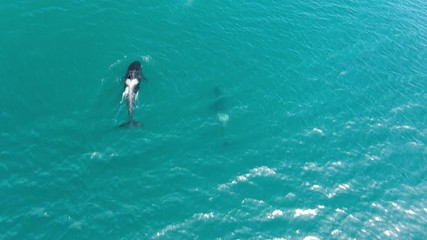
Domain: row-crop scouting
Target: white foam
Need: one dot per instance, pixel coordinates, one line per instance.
(305, 212)
(312, 167)
(276, 213)
(242, 178)
(316, 131)
(223, 187)
(353, 217)
(397, 206)
(263, 171)
(379, 206)
(396, 109)
(404, 107)
(223, 118)
(116, 63)
(252, 201)
(339, 210)
(397, 228)
(95, 155)
(290, 195)
(338, 189)
(403, 127)
(338, 163)
(165, 230)
(311, 238)
(147, 58)
(203, 216)
(372, 157)
(256, 172)
(410, 212)
(39, 212)
(390, 233)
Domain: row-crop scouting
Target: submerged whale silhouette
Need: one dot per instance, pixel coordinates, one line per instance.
(219, 106)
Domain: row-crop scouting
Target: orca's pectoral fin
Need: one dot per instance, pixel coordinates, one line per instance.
(132, 123)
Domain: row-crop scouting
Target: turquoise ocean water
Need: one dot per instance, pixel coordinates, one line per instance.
(262, 120)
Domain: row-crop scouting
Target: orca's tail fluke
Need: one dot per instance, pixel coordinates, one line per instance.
(132, 123)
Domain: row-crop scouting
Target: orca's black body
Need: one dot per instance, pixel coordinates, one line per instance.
(134, 71)
(133, 77)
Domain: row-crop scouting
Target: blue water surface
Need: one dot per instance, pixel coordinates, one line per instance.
(262, 120)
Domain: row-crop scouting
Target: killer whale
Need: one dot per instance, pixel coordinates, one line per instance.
(132, 80)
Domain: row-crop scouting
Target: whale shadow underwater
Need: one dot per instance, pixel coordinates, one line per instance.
(219, 106)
